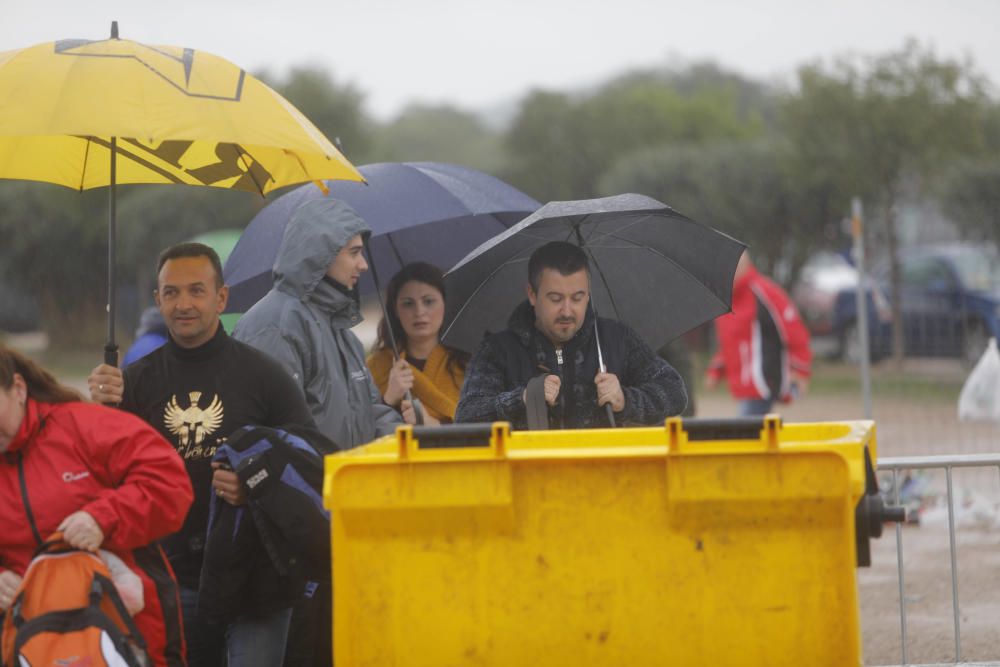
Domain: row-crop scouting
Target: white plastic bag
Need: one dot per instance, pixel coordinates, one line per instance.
(127, 582)
(980, 397)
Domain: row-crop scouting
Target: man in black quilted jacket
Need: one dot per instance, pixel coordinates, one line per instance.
(551, 334)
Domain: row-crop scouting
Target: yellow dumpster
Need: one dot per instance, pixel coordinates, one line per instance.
(697, 543)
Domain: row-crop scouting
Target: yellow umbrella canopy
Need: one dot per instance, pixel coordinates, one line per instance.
(179, 116)
(169, 114)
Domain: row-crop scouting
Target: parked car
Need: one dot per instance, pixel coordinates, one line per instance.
(826, 283)
(950, 300)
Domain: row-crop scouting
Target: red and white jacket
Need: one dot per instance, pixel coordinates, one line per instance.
(112, 465)
(762, 342)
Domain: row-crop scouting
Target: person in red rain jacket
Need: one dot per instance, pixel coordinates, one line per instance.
(763, 345)
(102, 476)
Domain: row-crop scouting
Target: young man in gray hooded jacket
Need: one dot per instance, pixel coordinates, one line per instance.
(305, 322)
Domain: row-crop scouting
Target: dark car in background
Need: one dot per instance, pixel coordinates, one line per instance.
(950, 301)
(824, 295)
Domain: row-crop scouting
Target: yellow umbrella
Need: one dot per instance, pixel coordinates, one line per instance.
(167, 115)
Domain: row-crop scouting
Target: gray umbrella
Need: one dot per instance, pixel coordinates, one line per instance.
(651, 267)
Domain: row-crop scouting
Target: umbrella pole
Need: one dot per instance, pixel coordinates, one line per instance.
(600, 361)
(597, 336)
(111, 347)
(417, 409)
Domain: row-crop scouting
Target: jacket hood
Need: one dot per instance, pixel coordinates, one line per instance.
(316, 232)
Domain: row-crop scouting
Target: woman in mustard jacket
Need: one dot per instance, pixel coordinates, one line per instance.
(433, 372)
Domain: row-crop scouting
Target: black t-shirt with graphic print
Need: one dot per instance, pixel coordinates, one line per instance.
(195, 398)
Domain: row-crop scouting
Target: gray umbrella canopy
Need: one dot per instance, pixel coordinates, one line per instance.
(651, 267)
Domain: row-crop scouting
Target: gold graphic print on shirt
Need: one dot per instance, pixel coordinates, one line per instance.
(192, 424)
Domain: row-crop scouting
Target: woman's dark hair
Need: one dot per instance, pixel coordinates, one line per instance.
(421, 272)
(42, 386)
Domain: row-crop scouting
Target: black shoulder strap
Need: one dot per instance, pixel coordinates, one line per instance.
(24, 498)
(105, 585)
(535, 405)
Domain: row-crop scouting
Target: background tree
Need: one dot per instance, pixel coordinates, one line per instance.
(440, 134)
(740, 188)
(870, 125)
(971, 197)
(55, 246)
(560, 145)
(336, 109)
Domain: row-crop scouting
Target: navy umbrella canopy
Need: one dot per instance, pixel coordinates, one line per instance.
(651, 268)
(418, 211)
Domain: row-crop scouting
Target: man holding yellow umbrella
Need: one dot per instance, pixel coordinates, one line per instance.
(87, 114)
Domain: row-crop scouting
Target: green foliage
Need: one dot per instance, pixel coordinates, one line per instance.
(561, 146)
(153, 217)
(337, 110)
(971, 197)
(741, 188)
(867, 126)
(862, 125)
(55, 245)
(440, 134)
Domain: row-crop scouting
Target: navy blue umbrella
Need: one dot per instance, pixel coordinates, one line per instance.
(426, 211)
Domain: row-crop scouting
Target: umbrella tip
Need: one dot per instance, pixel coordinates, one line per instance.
(114, 30)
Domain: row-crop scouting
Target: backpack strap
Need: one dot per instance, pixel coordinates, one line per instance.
(102, 584)
(24, 498)
(535, 406)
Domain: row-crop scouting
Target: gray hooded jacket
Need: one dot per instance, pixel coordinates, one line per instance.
(305, 323)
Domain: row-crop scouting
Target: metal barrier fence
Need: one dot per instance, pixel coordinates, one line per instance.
(947, 463)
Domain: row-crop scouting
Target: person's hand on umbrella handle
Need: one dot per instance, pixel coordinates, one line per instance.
(80, 530)
(400, 382)
(9, 583)
(227, 485)
(410, 415)
(106, 384)
(609, 391)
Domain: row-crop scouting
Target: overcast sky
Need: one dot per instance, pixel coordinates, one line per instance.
(478, 55)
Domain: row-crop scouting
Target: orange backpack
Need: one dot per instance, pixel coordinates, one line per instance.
(67, 613)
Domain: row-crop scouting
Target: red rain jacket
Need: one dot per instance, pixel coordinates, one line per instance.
(118, 469)
(761, 342)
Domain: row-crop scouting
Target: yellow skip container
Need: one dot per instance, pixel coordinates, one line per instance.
(698, 543)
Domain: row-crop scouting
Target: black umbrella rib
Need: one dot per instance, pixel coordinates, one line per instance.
(669, 259)
(597, 229)
(476, 291)
(395, 250)
(607, 287)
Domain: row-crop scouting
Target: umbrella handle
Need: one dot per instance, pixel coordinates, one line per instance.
(111, 354)
(418, 409)
(611, 415)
